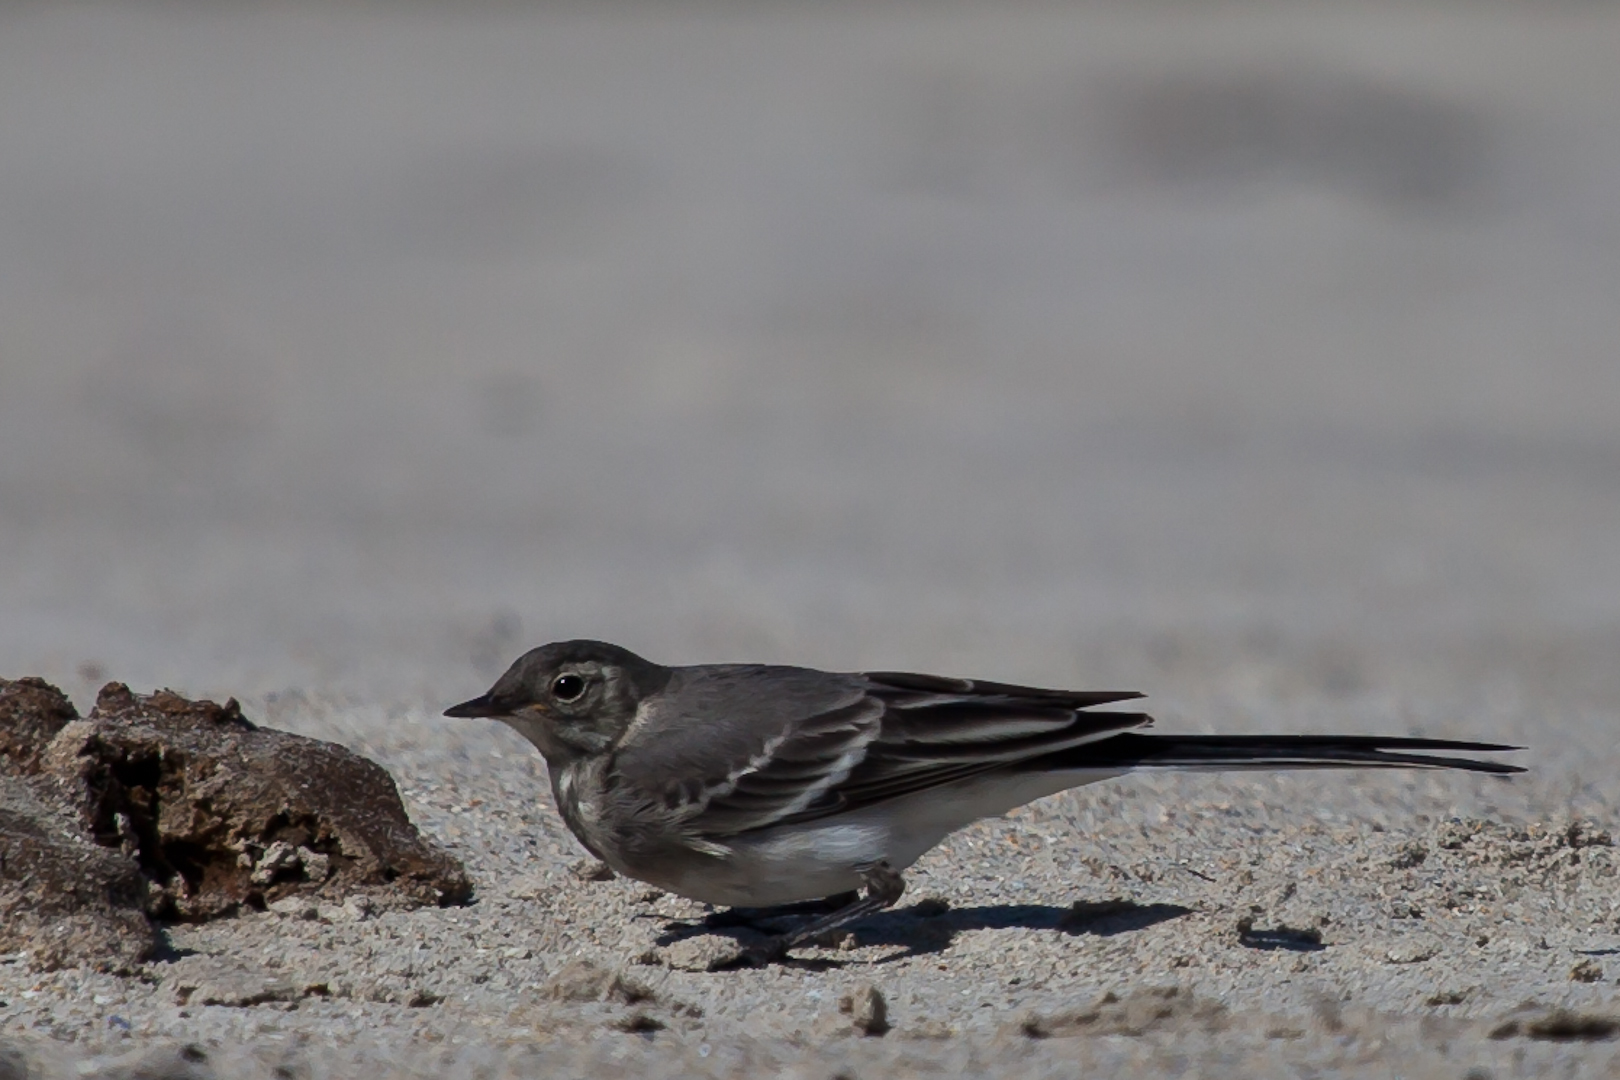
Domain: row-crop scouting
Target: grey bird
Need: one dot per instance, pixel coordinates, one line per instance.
(751, 785)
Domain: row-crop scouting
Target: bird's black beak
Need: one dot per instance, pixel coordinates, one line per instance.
(480, 706)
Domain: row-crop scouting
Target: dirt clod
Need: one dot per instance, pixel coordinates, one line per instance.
(1587, 971)
(221, 813)
(158, 807)
(867, 1009)
(592, 870)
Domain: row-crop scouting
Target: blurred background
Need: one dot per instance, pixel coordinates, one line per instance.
(1265, 357)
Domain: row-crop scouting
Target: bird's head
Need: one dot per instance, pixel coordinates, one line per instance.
(570, 698)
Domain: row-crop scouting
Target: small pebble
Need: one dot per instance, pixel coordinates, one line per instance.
(867, 1010)
(592, 870)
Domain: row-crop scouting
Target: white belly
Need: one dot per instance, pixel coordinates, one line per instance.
(820, 858)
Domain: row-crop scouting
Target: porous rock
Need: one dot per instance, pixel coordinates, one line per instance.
(65, 900)
(190, 811)
(222, 813)
(32, 711)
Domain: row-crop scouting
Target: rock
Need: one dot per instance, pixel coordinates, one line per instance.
(234, 988)
(32, 711)
(1587, 971)
(64, 900)
(1412, 952)
(867, 1009)
(296, 907)
(162, 807)
(1412, 853)
(842, 940)
(277, 859)
(316, 865)
(1137, 1013)
(239, 982)
(220, 813)
(713, 952)
(591, 870)
(358, 908)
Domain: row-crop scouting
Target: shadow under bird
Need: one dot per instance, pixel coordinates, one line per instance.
(755, 785)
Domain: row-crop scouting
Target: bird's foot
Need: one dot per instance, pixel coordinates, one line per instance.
(884, 886)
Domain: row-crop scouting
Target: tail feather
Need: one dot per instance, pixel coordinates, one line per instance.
(1130, 750)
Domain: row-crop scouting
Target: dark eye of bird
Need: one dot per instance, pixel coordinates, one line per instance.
(567, 687)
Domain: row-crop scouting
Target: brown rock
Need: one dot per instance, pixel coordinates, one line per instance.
(215, 811)
(65, 901)
(592, 870)
(1416, 951)
(32, 711)
(220, 812)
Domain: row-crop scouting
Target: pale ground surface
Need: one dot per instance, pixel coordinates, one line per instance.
(1266, 360)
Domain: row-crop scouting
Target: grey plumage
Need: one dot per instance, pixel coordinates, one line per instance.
(754, 785)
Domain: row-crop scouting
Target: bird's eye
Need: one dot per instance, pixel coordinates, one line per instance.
(567, 687)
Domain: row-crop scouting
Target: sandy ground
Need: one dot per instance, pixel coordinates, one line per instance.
(1263, 359)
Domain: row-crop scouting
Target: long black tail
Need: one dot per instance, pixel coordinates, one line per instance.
(1131, 750)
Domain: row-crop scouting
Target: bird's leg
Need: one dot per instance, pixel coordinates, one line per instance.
(883, 887)
(843, 899)
(752, 917)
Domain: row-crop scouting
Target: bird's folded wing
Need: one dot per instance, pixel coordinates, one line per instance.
(936, 731)
(879, 736)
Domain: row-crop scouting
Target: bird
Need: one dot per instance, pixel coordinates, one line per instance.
(759, 786)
